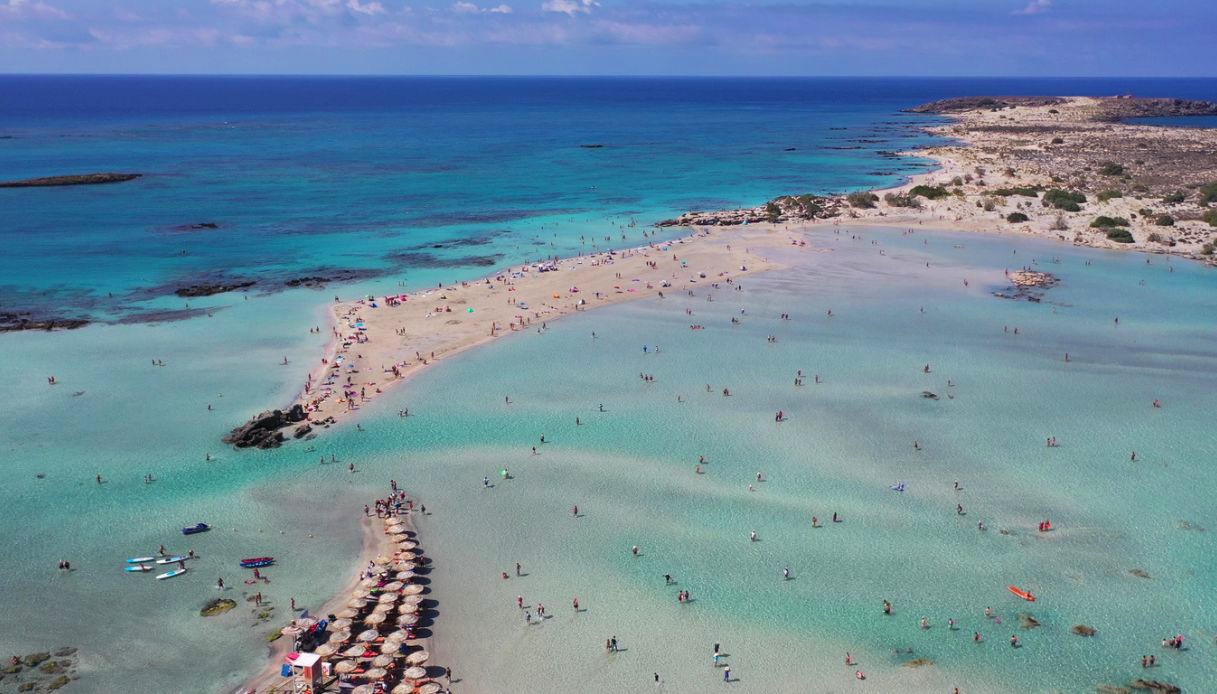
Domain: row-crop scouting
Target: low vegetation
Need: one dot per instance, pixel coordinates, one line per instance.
(928, 192)
(863, 199)
(1211, 218)
(894, 200)
(1110, 168)
(1208, 194)
(1025, 191)
(1017, 218)
(1165, 220)
(1105, 222)
(1120, 235)
(1174, 198)
(1110, 195)
(1068, 200)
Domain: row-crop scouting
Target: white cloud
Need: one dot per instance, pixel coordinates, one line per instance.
(569, 7)
(368, 8)
(1035, 7)
(28, 8)
(499, 9)
(463, 7)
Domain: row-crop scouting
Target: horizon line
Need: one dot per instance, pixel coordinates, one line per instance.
(589, 76)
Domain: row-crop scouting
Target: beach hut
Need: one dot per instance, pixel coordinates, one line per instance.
(307, 671)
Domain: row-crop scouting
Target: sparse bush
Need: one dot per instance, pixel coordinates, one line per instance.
(957, 181)
(1208, 194)
(929, 192)
(1174, 198)
(1120, 235)
(1058, 140)
(1109, 194)
(1154, 237)
(989, 205)
(1009, 171)
(1110, 168)
(1017, 218)
(1165, 220)
(772, 211)
(1067, 200)
(1211, 218)
(1206, 249)
(1059, 223)
(863, 199)
(1104, 222)
(1053, 111)
(1145, 212)
(894, 200)
(1026, 191)
(980, 170)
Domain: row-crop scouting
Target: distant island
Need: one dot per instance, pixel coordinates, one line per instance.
(72, 180)
(1067, 168)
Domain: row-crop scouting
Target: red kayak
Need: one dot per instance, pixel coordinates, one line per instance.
(1025, 595)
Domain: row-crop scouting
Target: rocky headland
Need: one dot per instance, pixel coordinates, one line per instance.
(72, 180)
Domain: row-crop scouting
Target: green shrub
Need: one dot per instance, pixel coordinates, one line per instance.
(895, 200)
(1165, 220)
(863, 199)
(1110, 168)
(1211, 217)
(1025, 191)
(1058, 140)
(1109, 194)
(1104, 222)
(1208, 194)
(930, 192)
(1176, 197)
(772, 211)
(1206, 249)
(1017, 218)
(1120, 235)
(1067, 200)
(1155, 237)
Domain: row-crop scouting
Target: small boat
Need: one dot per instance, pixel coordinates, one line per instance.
(170, 560)
(196, 528)
(255, 562)
(139, 568)
(171, 574)
(140, 560)
(1025, 595)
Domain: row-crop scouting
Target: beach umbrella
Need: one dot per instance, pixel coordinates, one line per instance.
(354, 651)
(346, 666)
(387, 598)
(382, 661)
(407, 608)
(408, 544)
(376, 673)
(417, 658)
(326, 650)
(383, 608)
(364, 689)
(405, 566)
(404, 575)
(340, 624)
(374, 618)
(407, 620)
(369, 635)
(396, 530)
(414, 673)
(360, 593)
(414, 589)
(403, 688)
(368, 583)
(399, 635)
(395, 585)
(430, 688)
(382, 559)
(348, 613)
(413, 599)
(356, 602)
(340, 637)
(391, 647)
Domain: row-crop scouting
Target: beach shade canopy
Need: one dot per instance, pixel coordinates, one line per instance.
(413, 599)
(430, 688)
(353, 652)
(383, 608)
(399, 635)
(414, 673)
(407, 620)
(364, 689)
(413, 589)
(347, 613)
(417, 658)
(404, 575)
(396, 529)
(376, 673)
(375, 618)
(368, 583)
(408, 544)
(405, 556)
(387, 598)
(382, 661)
(340, 636)
(407, 609)
(360, 593)
(369, 635)
(340, 624)
(391, 647)
(326, 650)
(395, 585)
(346, 666)
(403, 688)
(356, 602)
(382, 559)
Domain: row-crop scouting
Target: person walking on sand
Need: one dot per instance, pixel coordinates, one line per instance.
(727, 673)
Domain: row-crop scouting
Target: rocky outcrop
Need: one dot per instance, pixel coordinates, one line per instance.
(14, 321)
(1155, 686)
(197, 226)
(1083, 630)
(787, 208)
(196, 290)
(265, 430)
(1119, 108)
(217, 606)
(74, 180)
(960, 104)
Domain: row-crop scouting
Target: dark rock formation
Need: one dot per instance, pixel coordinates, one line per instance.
(1122, 107)
(210, 289)
(972, 103)
(197, 226)
(74, 180)
(13, 321)
(1139, 573)
(217, 606)
(593, 145)
(1155, 686)
(264, 430)
(302, 431)
(1083, 630)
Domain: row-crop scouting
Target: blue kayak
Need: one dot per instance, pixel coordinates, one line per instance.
(196, 528)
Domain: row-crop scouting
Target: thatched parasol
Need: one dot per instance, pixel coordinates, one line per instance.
(404, 575)
(364, 689)
(347, 666)
(356, 603)
(376, 673)
(347, 613)
(340, 624)
(408, 544)
(406, 556)
(368, 583)
(340, 637)
(413, 599)
(381, 560)
(360, 593)
(417, 658)
(354, 652)
(382, 608)
(394, 586)
(403, 688)
(387, 598)
(375, 618)
(413, 589)
(382, 661)
(399, 635)
(326, 650)
(414, 673)
(396, 529)
(407, 620)
(369, 635)
(391, 647)
(430, 688)
(405, 566)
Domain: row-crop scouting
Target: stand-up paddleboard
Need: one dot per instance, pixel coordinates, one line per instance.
(139, 568)
(1025, 595)
(170, 560)
(171, 574)
(140, 560)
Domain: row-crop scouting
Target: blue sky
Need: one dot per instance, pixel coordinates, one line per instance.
(665, 37)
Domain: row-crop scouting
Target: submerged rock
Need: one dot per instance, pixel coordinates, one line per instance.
(1139, 573)
(1027, 621)
(1083, 630)
(929, 395)
(196, 290)
(1155, 686)
(35, 659)
(918, 662)
(217, 606)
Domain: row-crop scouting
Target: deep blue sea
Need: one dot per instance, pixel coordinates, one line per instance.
(414, 177)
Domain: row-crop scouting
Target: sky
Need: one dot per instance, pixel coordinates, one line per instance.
(612, 37)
